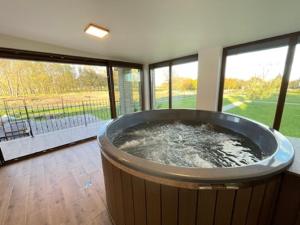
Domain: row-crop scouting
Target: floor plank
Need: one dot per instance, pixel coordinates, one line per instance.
(63, 187)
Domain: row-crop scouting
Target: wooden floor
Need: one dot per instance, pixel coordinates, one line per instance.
(63, 187)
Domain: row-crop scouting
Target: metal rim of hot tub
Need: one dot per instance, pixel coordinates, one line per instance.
(194, 177)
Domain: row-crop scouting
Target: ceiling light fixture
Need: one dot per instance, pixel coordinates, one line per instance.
(96, 30)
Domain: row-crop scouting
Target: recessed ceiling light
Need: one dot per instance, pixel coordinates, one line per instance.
(96, 30)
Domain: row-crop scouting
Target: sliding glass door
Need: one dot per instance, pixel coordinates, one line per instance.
(127, 90)
(47, 101)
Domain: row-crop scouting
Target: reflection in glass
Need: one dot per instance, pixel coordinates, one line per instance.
(127, 86)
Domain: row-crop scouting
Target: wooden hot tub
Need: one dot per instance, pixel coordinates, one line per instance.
(141, 192)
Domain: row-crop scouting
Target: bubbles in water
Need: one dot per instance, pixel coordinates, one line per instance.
(187, 145)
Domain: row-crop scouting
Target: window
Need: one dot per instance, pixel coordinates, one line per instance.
(290, 123)
(127, 86)
(42, 93)
(160, 84)
(174, 83)
(261, 81)
(252, 83)
(184, 85)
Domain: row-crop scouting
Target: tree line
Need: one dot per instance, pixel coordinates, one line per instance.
(27, 78)
(257, 87)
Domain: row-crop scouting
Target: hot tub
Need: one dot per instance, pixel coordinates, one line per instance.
(141, 191)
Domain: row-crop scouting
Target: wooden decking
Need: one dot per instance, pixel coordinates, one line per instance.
(59, 188)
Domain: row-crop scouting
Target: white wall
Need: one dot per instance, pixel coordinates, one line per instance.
(24, 44)
(209, 60)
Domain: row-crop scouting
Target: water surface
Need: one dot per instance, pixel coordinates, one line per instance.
(188, 145)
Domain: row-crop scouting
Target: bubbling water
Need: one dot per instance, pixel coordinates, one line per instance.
(188, 145)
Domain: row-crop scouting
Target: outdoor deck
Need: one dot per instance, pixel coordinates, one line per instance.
(28, 145)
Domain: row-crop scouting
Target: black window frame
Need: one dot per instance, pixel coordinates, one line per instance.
(167, 63)
(290, 40)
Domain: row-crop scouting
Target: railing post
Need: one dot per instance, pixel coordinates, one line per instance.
(2, 160)
(84, 113)
(28, 120)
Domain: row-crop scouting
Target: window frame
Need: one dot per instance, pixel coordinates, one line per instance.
(291, 40)
(167, 63)
(17, 54)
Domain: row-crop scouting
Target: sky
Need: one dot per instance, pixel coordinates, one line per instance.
(268, 63)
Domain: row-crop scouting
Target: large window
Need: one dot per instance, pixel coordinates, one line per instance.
(252, 83)
(127, 86)
(55, 96)
(174, 83)
(290, 123)
(261, 81)
(160, 87)
(184, 85)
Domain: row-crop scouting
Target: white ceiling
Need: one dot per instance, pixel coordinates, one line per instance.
(147, 31)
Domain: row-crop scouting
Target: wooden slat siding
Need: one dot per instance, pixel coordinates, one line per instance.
(108, 184)
(127, 198)
(288, 204)
(118, 196)
(104, 167)
(269, 202)
(153, 203)
(113, 193)
(298, 219)
(224, 207)
(241, 206)
(169, 204)
(206, 207)
(187, 207)
(139, 200)
(255, 204)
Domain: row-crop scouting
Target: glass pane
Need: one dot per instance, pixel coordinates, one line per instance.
(127, 85)
(184, 85)
(252, 83)
(52, 99)
(290, 123)
(160, 85)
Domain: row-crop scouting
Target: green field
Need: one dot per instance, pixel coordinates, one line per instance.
(263, 110)
(178, 102)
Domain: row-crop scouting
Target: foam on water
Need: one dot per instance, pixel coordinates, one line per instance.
(186, 145)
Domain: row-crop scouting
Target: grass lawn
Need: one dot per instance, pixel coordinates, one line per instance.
(263, 110)
(178, 102)
(230, 98)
